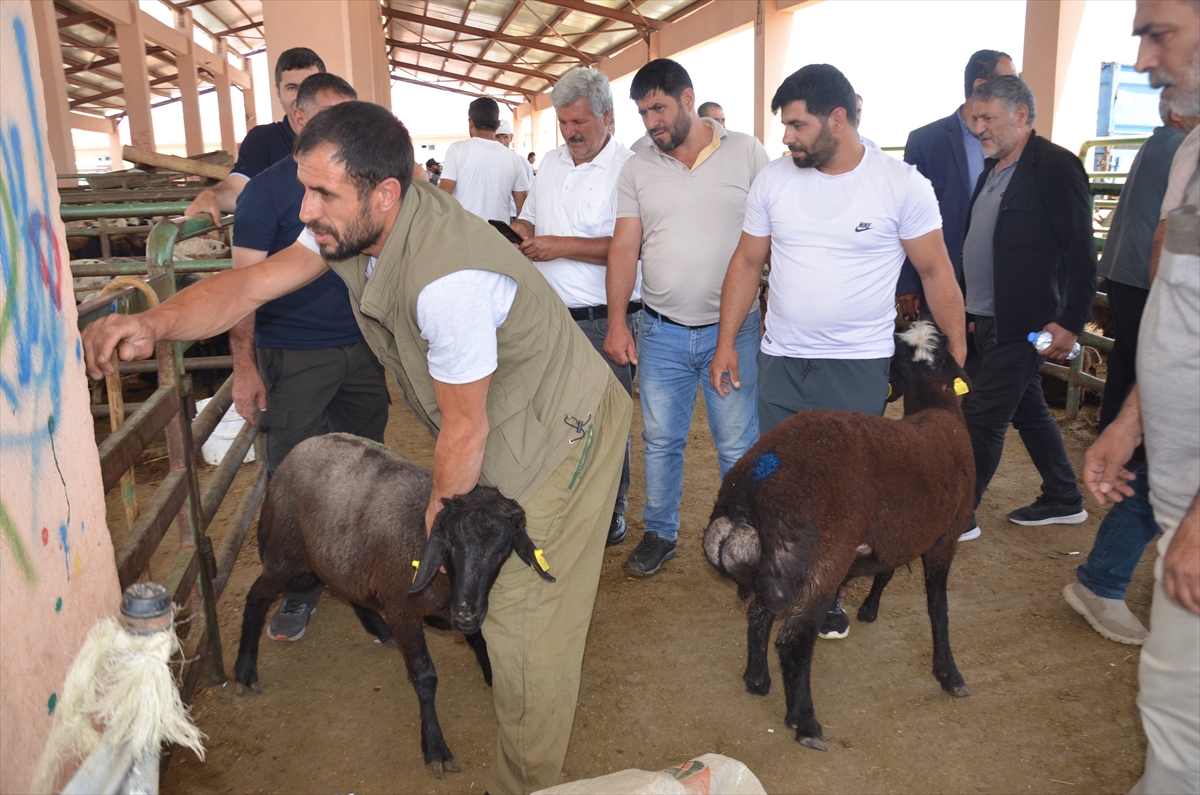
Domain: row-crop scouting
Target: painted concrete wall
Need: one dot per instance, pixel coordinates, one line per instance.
(57, 574)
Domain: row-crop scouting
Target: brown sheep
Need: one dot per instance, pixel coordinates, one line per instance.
(831, 495)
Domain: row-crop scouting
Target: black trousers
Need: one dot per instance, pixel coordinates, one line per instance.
(311, 392)
(1126, 304)
(324, 390)
(1007, 388)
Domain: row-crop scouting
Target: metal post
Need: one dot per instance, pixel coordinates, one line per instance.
(159, 251)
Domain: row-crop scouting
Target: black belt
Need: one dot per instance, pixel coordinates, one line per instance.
(666, 319)
(600, 312)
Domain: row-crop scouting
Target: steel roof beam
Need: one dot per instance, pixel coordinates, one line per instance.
(77, 19)
(442, 73)
(522, 41)
(87, 67)
(116, 92)
(441, 87)
(508, 18)
(436, 53)
(637, 20)
(238, 29)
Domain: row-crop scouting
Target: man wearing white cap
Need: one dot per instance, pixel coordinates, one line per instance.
(486, 177)
(504, 134)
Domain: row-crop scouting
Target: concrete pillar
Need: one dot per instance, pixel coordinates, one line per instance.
(367, 66)
(541, 104)
(772, 34)
(189, 88)
(518, 134)
(131, 47)
(654, 49)
(1051, 31)
(248, 96)
(225, 109)
(54, 88)
(116, 158)
(347, 34)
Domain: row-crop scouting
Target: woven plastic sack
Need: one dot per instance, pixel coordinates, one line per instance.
(710, 774)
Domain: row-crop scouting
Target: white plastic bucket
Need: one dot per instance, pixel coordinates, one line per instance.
(218, 444)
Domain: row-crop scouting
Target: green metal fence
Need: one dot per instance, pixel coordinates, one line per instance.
(199, 574)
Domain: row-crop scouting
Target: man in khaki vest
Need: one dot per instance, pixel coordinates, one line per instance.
(488, 358)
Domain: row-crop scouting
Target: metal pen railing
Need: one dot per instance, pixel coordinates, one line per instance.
(198, 576)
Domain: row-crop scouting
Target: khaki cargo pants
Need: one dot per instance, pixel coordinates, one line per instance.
(536, 630)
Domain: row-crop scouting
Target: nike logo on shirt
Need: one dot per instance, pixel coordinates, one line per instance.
(864, 226)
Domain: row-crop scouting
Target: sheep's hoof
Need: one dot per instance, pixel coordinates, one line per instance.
(814, 742)
(759, 687)
(960, 692)
(438, 769)
(867, 615)
(241, 688)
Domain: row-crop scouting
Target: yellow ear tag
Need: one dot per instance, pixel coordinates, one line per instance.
(889, 394)
(416, 568)
(541, 559)
(960, 387)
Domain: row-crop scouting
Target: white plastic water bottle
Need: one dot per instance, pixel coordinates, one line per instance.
(1041, 341)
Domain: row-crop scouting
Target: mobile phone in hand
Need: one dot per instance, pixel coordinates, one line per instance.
(508, 232)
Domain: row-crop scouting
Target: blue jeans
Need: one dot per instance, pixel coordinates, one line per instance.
(1120, 542)
(672, 361)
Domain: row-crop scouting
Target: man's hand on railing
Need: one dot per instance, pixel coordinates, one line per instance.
(205, 203)
(127, 336)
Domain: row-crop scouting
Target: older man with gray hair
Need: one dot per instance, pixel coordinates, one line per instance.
(568, 219)
(1029, 263)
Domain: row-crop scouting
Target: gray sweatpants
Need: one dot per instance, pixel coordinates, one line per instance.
(787, 386)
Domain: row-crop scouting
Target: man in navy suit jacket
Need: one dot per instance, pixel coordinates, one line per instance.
(950, 156)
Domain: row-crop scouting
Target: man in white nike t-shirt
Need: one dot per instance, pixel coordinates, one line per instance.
(837, 219)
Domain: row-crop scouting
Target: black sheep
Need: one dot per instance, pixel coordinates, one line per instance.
(831, 495)
(352, 512)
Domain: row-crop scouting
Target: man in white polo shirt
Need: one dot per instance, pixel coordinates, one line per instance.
(567, 223)
(485, 176)
(681, 205)
(837, 219)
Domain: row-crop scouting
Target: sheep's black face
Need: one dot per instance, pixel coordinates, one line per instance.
(473, 537)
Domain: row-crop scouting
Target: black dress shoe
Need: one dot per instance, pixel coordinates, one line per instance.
(616, 530)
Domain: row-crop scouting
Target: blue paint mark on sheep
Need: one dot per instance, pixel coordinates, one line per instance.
(765, 465)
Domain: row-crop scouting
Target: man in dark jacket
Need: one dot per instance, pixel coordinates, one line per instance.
(1029, 265)
(948, 154)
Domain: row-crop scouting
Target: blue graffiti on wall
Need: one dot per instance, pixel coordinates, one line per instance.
(31, 318)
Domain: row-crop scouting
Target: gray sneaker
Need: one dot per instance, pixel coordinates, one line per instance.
(1110, 617)
(290, 620)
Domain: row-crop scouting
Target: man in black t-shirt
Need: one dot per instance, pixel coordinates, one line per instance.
(265, 144)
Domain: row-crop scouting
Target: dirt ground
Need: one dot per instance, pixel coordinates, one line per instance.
(1053, 707)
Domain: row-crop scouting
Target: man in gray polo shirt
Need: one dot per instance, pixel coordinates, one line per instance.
(681, 204)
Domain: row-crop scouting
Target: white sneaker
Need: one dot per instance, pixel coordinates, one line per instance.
(1110, 617)
(971, 534)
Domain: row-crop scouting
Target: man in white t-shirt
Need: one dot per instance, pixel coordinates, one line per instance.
(836, 219)
(486, 177)
(568, 223)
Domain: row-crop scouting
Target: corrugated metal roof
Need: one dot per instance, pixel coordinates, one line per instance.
(509, 49)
